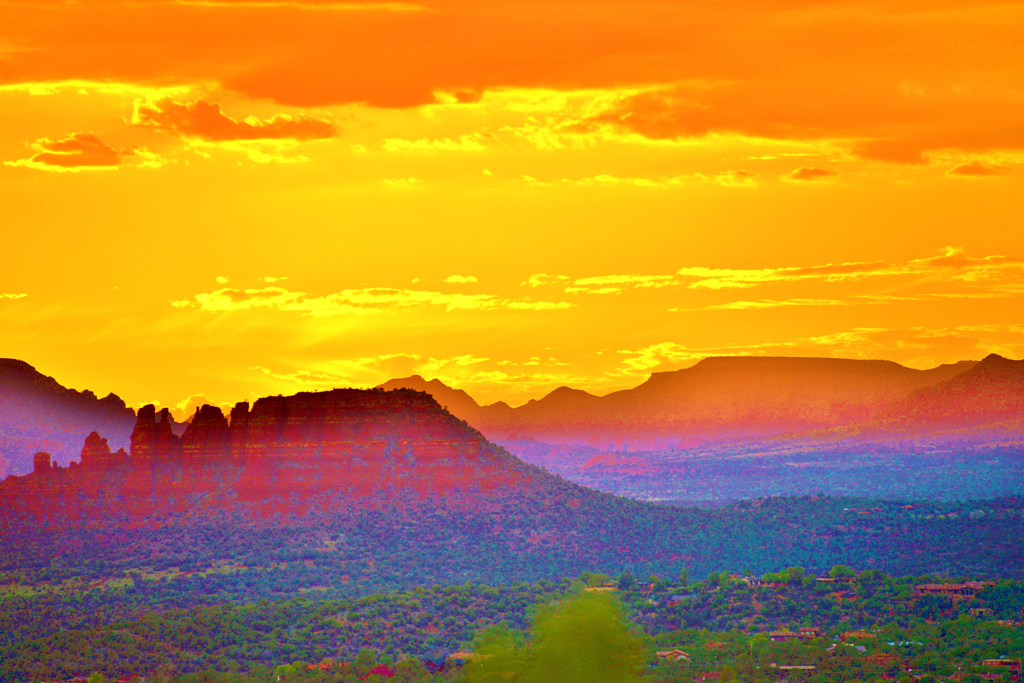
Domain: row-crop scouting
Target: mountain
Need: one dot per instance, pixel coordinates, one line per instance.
(988, 396)
(38, 414)
(720, 399)
(369, 489)
(293, 457)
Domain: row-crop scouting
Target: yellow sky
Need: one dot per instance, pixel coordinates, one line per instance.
(231, 199)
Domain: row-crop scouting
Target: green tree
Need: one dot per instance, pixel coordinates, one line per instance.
(584, 637)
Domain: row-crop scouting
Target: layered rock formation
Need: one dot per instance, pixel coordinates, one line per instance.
(289, 455)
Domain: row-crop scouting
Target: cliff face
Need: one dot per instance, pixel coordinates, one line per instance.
(292, 455)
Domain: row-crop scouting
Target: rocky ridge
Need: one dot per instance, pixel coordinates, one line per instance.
(290, 456)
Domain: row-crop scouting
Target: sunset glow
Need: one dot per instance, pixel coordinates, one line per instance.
(213, 201)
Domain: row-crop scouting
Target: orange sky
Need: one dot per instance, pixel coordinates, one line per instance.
(225, 199)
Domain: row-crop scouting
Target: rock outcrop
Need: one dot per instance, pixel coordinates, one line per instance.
(286, 455)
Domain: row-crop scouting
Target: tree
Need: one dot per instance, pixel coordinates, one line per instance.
(584, 637)
(841, 571)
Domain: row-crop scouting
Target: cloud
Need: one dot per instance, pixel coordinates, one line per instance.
(977, 169)
(465, 143)
(364, 371)
(614, 284)
(656, 281)
(593, 290)
(223, 280)
(951, 263)
(271, 278)
(726, 179)
(321, 5)
(779, 303)
(806, 173)
(539, 279)
(922, 347)
(918, 347)
(79, 151)
(205, 121)
(13, 296)
(642, 360)
(353, 301)
(186, 408)
(84, 86)
(866, 76)
(460, 279)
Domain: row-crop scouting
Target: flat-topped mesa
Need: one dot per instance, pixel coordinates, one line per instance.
(328, 425)
(336, 425)
(287, 455)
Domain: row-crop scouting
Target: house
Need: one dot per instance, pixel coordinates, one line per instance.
(785, 635)
(715, 645)
(956, 592)
(673, 655)
(981, 612)
(1011, 665)
(857, 635)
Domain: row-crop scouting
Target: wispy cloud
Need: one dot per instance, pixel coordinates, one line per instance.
(460, 279)
(353, 301)
(13, 296)
(919, 347)
(77, 152)
(320, 5)
(951, 262)
(810, 173)
(977, 169)
(539, 279)
(465, 143)
(779, 303)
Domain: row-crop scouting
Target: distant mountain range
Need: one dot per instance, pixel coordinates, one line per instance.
(735, 428)
(644, 442)
(38, 414)
(304, 479)
(730, 400)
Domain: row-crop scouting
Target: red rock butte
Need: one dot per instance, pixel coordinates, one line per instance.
(295, 455)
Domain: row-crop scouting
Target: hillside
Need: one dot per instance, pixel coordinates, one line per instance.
(38, 414)
(288, 457)
(989, 394)
(718, 400)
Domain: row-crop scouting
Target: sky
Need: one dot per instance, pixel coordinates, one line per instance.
(210, 201)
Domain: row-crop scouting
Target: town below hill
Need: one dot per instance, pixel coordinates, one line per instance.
(842, 626)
